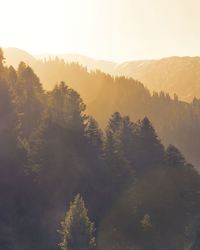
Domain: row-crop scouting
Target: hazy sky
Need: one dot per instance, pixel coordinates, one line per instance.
(105, 29)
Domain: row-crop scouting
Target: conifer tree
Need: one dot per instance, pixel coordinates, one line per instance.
(77, 230)
(115, 151)
(174, 158)
(112, 140)
(1, 59)
(66, 108)
(94, 134)
(151, 150)
(30, 95)
(11, 76)
(2, 66)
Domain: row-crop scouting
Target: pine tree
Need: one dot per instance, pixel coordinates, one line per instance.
(128, 139)
(94, 134)
(2, 67)
(1, 59)
(30, 95)
(12, 76)
(77, 230)
(174, 158)
(66, 108)
(151, 150)
(112, 140)
(116, 150)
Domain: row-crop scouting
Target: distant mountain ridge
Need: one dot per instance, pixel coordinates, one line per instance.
(90, 63)
(180, 75)
(14, 56)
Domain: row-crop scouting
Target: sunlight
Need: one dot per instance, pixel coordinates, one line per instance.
(113, 30)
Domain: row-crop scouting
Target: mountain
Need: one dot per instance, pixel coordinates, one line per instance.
(173, 75)
(14, 56)
(139, 194)
(177, 122)
(180, 75)
(90, 63)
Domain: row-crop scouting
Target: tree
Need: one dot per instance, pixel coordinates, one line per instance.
(150, 150)
(112, 139)
(66, 108)
(77, 230)
(174, 158)
(11, 76)
(128, 139)
(30, 99)
(118, 167)
(94, 135)
(1, 60)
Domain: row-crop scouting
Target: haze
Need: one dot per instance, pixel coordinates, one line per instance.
(116, 30)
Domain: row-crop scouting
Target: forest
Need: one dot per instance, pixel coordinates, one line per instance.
(176, 122)
(82, 166)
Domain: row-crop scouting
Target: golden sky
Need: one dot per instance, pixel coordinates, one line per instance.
(116, 30)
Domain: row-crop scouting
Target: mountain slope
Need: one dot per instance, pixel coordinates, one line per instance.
(90, 63)
(14, 56)
(180, 75)
(177, 122)
(174, 75)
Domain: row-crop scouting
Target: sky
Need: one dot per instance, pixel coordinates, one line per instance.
(115, 30)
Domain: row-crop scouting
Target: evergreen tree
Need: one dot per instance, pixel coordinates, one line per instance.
(12, 76)
(129, 140)
(112, 139)
(150, 150)
(21, 68)
(66, 108)
(30, 99)
(1, 62)
(94, 135)
(174, 158)
(115, 151)
(77, 230)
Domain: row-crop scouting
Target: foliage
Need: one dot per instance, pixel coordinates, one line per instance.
(139, 194)
(77, 230)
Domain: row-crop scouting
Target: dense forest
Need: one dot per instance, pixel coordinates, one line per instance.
(127, 190)
(174, 74)
(175, 121)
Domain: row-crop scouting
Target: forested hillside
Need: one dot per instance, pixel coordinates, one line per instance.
(173, 75)
(178, 75)
(176, 122)
(139, 194)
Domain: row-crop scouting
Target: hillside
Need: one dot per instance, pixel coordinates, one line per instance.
(134, 192)
(177, 122)
(90, 63)
(14, 56)
(180, 75)
(173, 75)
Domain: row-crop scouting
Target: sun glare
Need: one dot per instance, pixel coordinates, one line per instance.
(112, 30)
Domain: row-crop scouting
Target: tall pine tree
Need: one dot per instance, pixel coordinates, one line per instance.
(77, 230)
